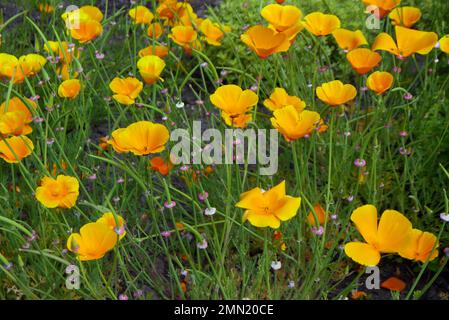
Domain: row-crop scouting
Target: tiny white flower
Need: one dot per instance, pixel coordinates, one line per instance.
(180, 105)
(444, 217)
(276, 265)
(210, 211)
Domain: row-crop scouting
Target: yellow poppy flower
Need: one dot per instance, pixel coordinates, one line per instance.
(21, 68)
(233, 100)
(268, 208)
(213, 32)
(61, 192)
(160, 51)
(126, 90)
(363, 60)
(380, 81)
(16, 104)
(14, 123)
(420, 246)
(444, 44)
(389, 236)
(86, 31)
(283, 19)
(321, 24)
(14, 149)
(109, 220)
(140, 138)
(335, 93)
(405, 16)
(349, 40)
(141, 15)
(62, 51)
(385, 6)
(295, 125)
(279, 98)
(238, 121)
(82, 14)
(150, 68)
(408, 42)
(69, 88)
(155, 30)
(265, 41)
(93, 241)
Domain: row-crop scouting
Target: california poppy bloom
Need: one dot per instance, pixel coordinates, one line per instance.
(213, 32)
(160, 51)
(155, 30)
(84, 13)
(320, 214)
(185, 36)
(14, 123)
(349, 40)
(160, 165)
(20, 68)
(93, 241)
(444, 44)
(294, 124)
(335, 93)
(389, 236)
(69, 88)
(283, 19)
(141, 15)
(363, 60)
(126, 89)
(321, 24)
(408, 42)
(14, 149)
(268, 208)
(61, 192)
(420, 246)
(265, 41)
(86, 31)
(385, 6)
(150, 68)
(233, 100)
(115, 223)
(380, 81)
(393, 284)
(279, 98)
(238, 121)
(140, 138)
(16, 104)
(62, 51)
(405, 16)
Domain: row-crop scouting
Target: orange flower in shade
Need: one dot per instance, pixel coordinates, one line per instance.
(380, 81)
(168, 9)
(69, 88)
(14, 123)
(160, 165)
(160, 51)
(284, 19)
(238, 121)
(321, 24)
(385, 6)
(155, 30)
(21, 68)
(232, 100)
(444, 44)
(268, 208)
(320, 215)
(213, 32)
(420, 246)
(389, 236)
(61, 192)
(140, 138)
(45, 8)
(349, 40)
(185, 36)
(114, 222)
(126, 90)
(335, 93)
(363, 60)
(16, 104)
(294, 124)
(408, 42)
(93, 241)
(265, 41)
(61, 50)
(393, 284)
(150, 68)
(405, 16)
(141, 15)
(14, 149)
(279, 98)
(88, 30)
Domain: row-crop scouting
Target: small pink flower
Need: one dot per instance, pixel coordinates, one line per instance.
(123, 296)
(318, 230)
(403, 134)
(408, 96)
(170, 204)
(203, 195)
(360, 163)
(166, 234)
(99, 55)
(202, 245)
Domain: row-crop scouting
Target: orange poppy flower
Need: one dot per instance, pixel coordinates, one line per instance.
(279, 98)
(385, 6)
(363, 60)
(14, 123)
(321, 24)
(150, 68)
(233, 100)
(420, 246)
(405, 16)
(238, 121)
(86, 31)
(160, 165)
(389, 236)
(380, 81)
(61, 192)
(69, 88)
(160, 51)
(21, 68)
(45, 8)
(284, 19)
(294, 124)
(444, 44)
(320, 214)
(265, 41)
(16, 104)
(185, 36)
(126, 90)
(213, 32)
(349, 40)
(155, 30)
(62, 51)
(111, 220)
(141, 15)
(408, 42)
(335, 93)
(393, 284)
(14, 149)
